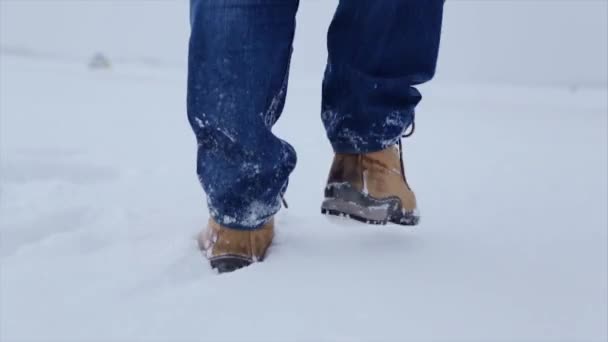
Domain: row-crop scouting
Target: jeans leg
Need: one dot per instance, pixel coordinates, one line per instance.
(378, 50)
(238, 65)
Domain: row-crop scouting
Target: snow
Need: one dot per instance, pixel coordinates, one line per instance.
(100, 207)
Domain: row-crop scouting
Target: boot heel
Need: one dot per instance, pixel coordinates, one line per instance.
(354, 216)
(348, 202)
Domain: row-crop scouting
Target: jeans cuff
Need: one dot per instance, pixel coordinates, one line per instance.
(249, 223)
(358, 145)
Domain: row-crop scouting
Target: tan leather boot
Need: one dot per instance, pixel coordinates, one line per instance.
(230, 249)
(371, 188)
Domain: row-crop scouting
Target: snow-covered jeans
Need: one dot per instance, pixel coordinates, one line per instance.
(239, 57)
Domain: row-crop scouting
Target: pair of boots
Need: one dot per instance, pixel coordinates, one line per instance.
(369, 187)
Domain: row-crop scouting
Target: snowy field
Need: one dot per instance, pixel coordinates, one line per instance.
(99, 208)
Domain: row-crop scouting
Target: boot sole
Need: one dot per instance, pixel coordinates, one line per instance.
(342, 200)
(229, 263)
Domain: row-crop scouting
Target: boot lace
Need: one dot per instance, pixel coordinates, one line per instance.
(406, 134)
(284, 202)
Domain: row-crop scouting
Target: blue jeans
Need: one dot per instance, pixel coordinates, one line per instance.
(237, 80)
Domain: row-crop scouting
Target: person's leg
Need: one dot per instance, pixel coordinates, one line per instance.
(237, 78)
(378, 50)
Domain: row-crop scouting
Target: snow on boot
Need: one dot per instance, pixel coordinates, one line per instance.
(230, 249)
(371, 188)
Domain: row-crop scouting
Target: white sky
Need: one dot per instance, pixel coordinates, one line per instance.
(530, 42)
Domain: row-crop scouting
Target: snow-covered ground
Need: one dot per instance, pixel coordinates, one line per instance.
(100, 206)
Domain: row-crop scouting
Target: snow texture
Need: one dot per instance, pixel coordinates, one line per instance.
(100, 207)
